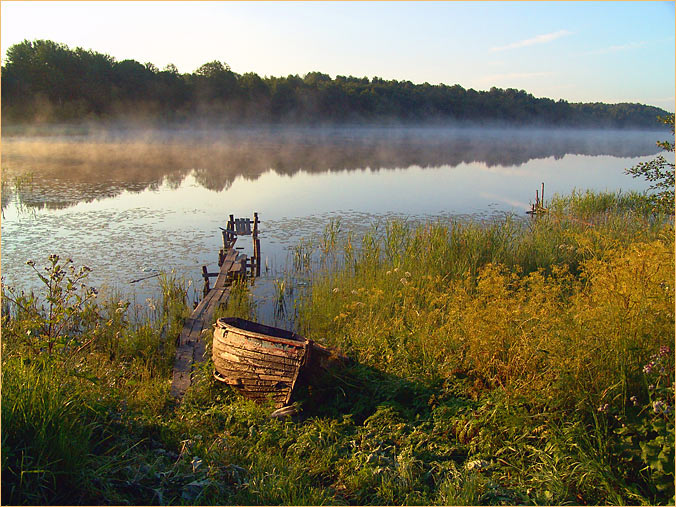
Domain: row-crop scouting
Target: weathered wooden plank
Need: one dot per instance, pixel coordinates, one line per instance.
(254, 391)
(250, 343)
(257, 362)
(251, 369)
(252, 357)
(255, 384)
(237, 265)
(185, 331)
(200, 348)
(201, 306)
(275, 388)
(182, 366)
(228, 261)
(192, 347)
(254, 369)
(234, 366)
(255, 344)
(277, 396)
(256, 357)
(245, 356)
(289, 347)
(267, 333)
(243, 226)
(215, 298)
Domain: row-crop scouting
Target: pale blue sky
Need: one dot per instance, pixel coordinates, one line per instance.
(577, 51)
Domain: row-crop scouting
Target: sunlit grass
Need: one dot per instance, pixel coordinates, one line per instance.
(507, 362)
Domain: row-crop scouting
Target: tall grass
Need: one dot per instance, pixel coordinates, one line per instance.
(507, 362)
(559, 313)
(47, 434)
(63, 393)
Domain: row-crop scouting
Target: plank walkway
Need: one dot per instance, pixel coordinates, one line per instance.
(190, 347)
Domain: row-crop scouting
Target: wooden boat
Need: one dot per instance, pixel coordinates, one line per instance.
(264, 362)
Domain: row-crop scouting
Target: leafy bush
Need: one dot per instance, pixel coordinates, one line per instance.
(660, 172)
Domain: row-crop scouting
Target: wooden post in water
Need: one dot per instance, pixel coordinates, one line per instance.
(205, 274)
(257, 247)
(542, 195)
(537, 200)
(256, 259)
(225, 237)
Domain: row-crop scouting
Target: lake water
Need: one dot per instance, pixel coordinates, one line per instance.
(128, 202)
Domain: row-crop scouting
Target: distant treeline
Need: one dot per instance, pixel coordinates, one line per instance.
(47, 81)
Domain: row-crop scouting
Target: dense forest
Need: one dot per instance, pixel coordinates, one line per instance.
(47, 81)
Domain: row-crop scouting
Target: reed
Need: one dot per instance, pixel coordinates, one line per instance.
(561, 312)
(302, 255)
(507, 362)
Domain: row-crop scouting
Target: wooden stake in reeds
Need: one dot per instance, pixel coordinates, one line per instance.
(256, 260)
(539, 206)
(542, 195)
(205, 274)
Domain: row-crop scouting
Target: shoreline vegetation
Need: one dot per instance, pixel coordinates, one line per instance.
(512, 362)
(47, 82)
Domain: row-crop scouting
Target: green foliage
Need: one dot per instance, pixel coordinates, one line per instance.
(240, 302)
(47, 434)
(660, 173)
(549, 323)
(646, 442)
(213, 69)
(73, 368)
(46, 81)
(69, 310)
(503, 363)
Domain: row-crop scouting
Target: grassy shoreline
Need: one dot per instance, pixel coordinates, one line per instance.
(504, 363)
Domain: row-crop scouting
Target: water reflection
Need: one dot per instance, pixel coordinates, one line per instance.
(68, 169)
(127, 203)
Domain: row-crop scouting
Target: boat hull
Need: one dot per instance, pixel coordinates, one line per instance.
(261, 362)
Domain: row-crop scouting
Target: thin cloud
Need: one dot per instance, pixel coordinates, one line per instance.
(621, 47)
(540, 39)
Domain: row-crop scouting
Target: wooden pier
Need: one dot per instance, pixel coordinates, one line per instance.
(539, 206)
(190, 345)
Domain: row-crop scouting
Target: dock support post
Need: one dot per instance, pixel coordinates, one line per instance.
(257, 256)
(205, 274)
(256, 259)
(542, 195)
(225, 237)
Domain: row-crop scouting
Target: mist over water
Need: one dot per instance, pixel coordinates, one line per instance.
(127, 201)
(67, 169)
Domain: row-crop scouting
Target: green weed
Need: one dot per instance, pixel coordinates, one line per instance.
(507, 362)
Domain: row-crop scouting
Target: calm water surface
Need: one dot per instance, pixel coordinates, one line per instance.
(129, 202)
